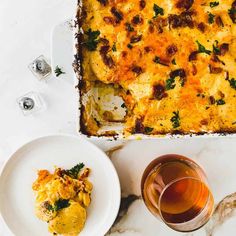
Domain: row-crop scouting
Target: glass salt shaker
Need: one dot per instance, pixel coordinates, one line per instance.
(40, 68)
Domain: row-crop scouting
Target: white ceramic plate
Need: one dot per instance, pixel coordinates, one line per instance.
(17, 198)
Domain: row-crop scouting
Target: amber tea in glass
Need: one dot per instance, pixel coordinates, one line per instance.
(175, 189)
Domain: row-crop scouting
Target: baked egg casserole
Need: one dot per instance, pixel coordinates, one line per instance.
(156, 67)
(62, 198)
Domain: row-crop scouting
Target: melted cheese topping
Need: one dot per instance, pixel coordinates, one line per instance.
(61, 200)
(175, 62)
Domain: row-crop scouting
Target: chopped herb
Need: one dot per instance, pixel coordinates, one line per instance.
(130, 46)
(234, 123)
(207, 108)
(173, 61)
(73, 172)
(232, 83)
(216, 48)
(214, 4)
(170, 83)
(175, 119)
(201, 95)
(114, 47)
(149, 21)
(92, 39)
(123, 105)
(202, 49)
(48, 206)
(60, 204)
(148, 130)
(129, 27)
(232, 11)
(220, 102)
(158, 10)
(211, 18)
(58, 71)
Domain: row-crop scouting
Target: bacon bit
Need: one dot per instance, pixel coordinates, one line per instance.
(151, 28)
(232, 12)
(159, 92)
(215, 70)
(171, 50)
(204, 122)
(182, 20)
(219, 21)
(137, 70)
(142, 4)
(139, 127)
(137, 20)
(222, 95)
(103, 2)
(147, 49)
(124, 54)
(227, 75)
(104, 41)
(85, 173)
(216, 59)
(193, 56)
(186, 4)
(160, 23)
(194, 71)
(117, 14)
(109, 20)
(135, 38)
(212, 100)
(107, 59)
(201, 27)
(179, 72)
(224, 48)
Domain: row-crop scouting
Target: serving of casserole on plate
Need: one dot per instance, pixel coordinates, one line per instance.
(156, 67)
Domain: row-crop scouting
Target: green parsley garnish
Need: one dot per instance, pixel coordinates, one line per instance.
(130, 46)
(114, 47)
(92, 39)
(214, 4)
(216, 49)
(175, 119)
(202, 49)
(73, 172)
(60, 204)
(173, 61)
(200, 95)
(232, 83)
(148, 130)
(220, 102)
(211, 18)
(123, 105)
(157, 10)
(58, 71)
(170, 83)
(232, 11)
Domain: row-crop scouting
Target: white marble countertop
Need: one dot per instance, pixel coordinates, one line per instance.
(25, 29)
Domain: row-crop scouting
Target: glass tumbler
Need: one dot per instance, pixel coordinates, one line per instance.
(175, 189)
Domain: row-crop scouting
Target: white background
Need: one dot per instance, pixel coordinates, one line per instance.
(25, 33)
